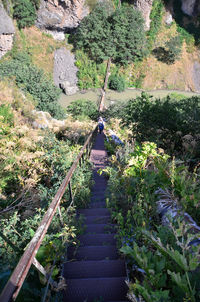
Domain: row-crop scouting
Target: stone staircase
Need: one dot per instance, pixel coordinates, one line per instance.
(94, 272)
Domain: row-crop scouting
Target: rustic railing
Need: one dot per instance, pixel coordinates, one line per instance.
(18, 276)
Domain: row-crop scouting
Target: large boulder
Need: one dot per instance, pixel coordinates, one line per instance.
(60, 16)
(191, 7)
(7, 31)
(65, 71)
(145, 7)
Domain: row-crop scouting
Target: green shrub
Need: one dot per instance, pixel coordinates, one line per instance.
(83, 108)
(156, 21)
(33, 80)
(6, 114)
(90, 74)
(116, 83)
(24, 13)
(147, 118)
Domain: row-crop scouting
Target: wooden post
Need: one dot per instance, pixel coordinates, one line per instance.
(107, 74)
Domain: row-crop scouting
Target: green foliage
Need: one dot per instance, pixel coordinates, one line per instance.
(116, 82)
(90, 74)
(106, 34)
(161, 263)
(83, 108)
(128, 33)
(24, 13)
(94, 34)
(6, 115)
(147, 118)
(156, 21)
(19, 226)
(33, 80)
(173, 46)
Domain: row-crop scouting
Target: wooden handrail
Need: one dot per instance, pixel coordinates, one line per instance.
(19, 274)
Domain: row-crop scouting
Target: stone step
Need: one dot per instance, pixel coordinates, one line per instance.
(97, 219)
(97, 239)
(93, 253)
(94, 212)
(100, 204)
(98, 197)
(100, 228)
(94, 269)
(95, 289)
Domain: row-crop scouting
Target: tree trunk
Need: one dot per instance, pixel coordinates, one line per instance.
(107, 74)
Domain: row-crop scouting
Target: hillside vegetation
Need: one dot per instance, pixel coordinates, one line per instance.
(153, 176)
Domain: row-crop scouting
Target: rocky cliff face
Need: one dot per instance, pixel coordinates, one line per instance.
(145, 7)
(59, 16)
(191, 7)
(7, 31)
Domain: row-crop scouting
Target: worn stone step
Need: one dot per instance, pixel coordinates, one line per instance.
(97, 219)
(97, 239)
(91, 289)
(99, 228)
(100, 204)
(93, 253)
(98, 199)
(94, 212)
(94, 269)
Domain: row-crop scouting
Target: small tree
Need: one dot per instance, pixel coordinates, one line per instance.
(24, 13)
(83, 108)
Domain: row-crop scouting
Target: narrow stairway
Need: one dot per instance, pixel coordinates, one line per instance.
(95, 272)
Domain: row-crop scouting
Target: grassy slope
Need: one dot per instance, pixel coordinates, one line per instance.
(40, 45)
(159, 75)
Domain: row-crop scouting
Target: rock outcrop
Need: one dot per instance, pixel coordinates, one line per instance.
(145, 7)
(7, 31)
(191, 7)
(65, 71)
(60, 16)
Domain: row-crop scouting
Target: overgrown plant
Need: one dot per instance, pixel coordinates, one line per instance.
(162, 263)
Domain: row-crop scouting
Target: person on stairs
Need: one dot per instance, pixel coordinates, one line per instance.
(100, 124)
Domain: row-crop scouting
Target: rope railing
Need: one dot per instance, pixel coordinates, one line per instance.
(14, 284)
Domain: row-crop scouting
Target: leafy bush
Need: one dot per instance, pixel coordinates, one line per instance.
(24, 13)
(161, 263)
(33, 80)
(6, 114)
(90, 74)
(156, 21)
(83, 108)
(116, 83)
(147, 119)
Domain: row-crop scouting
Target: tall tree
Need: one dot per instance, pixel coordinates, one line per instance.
(107, 34)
